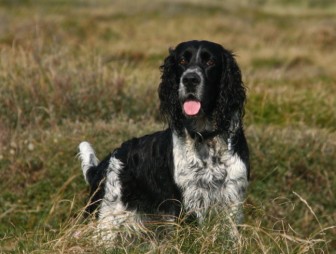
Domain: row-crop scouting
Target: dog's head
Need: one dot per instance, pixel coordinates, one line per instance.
(201, 88)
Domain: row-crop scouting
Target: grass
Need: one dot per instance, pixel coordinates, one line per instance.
(88, 70)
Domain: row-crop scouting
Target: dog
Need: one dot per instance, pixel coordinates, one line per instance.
(200, 161)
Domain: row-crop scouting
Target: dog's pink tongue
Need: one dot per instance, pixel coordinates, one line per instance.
(191, 108)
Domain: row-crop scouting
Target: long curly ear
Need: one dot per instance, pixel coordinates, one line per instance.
(170, 107)
(229, 109)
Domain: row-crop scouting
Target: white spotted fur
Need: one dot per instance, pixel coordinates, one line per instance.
(192, 167)
(112, 213)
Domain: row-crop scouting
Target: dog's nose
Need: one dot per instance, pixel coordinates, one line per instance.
(191, 79)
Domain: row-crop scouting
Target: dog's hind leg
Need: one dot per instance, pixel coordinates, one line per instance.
(88, 158)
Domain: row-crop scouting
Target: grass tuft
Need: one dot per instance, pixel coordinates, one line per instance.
(89, 70)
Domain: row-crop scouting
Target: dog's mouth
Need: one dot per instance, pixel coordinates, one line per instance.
(191, 107)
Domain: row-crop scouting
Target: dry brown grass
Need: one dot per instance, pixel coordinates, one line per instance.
(89, 70)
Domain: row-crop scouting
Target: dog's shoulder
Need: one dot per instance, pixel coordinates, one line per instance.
(157, 145)
(241, 148)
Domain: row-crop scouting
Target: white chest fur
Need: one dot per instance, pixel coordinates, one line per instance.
(209, 175)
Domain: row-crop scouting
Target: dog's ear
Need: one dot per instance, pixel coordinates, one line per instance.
(168, 62)
(229, 109)
(168, 91)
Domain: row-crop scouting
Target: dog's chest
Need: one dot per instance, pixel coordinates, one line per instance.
(203, 172)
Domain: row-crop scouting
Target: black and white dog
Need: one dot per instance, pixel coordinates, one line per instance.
(201, 161)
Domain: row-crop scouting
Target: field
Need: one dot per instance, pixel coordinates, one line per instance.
(89, 70)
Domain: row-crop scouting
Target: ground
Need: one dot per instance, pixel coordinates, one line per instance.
(89, 70)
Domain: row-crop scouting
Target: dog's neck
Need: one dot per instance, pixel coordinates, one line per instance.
(203, 130)
(202, 136)
(208, 135)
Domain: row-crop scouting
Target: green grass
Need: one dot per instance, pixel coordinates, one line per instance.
(89, 70)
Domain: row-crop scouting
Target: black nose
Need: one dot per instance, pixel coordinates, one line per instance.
(191, 79)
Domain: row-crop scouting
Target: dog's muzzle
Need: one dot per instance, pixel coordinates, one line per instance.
(191, 80)
(190, 92)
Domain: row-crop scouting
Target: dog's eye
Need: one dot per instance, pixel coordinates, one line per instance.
(210, 62)
(183, 61)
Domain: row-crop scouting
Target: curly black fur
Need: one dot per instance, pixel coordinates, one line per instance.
(200, 160)
(229, 104)
(170, 107)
